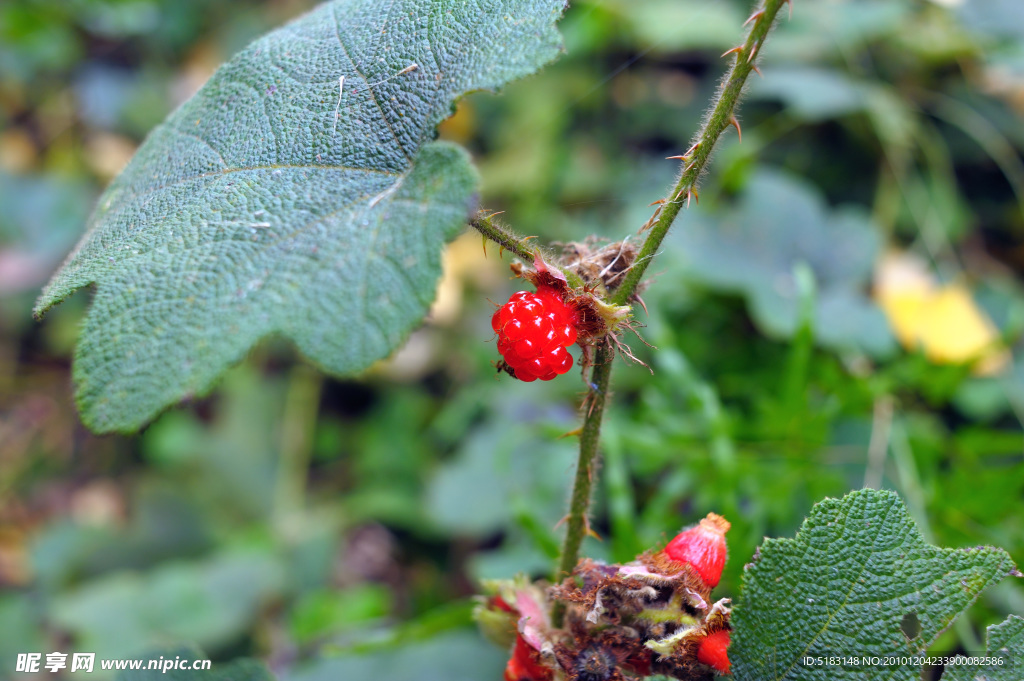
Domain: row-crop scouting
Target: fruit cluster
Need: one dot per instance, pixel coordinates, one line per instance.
(534, 330)
(650, 617)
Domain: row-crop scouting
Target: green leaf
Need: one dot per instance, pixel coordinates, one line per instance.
(501, 469)
(326, 611)
(779, 223)
(811, 93)
(278, 200)
(211, 602)
(452, 656)
(1006, 653)
(856, 573)
(237, 670)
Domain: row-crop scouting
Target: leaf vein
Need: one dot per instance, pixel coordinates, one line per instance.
(338, 29)
(277, 166)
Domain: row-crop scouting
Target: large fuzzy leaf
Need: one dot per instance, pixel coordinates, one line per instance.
(280, 199)
(857, 580)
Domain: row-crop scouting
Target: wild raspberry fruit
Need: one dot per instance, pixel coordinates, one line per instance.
(534, 330)
(702, 547)
(714, 651)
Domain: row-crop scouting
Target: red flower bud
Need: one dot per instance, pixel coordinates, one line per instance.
(525, 665)
(714, 651)
(702, 547)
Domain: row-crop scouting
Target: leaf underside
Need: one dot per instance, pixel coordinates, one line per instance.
(281, 200)
(855, 573)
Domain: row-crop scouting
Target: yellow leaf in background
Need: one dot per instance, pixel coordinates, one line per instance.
(942, 320)
(463, 261)
(18, 153)
(107, 154)
(461, 125)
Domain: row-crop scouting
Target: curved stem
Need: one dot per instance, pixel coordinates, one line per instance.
(721, 116)
(510, 242)
(501, 236)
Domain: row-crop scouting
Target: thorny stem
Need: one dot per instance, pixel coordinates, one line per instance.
(717, 120)
(721, 116)
(586, 469)
(485, 224)
(577, 523)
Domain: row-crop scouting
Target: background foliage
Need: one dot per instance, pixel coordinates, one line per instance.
(301, 520)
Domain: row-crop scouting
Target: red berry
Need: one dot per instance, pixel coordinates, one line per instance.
(702, 547)
(534, 329)
(714, 651)
(515, 330)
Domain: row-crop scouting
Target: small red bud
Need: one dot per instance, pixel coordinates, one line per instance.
(524, 665)
(499, 603)
(703, 547)
(714, 651)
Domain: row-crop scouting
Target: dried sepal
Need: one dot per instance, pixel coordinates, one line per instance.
(594, 318)
(652, 616)
(601, 267)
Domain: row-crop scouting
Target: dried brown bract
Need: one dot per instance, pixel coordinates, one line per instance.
(601, 267)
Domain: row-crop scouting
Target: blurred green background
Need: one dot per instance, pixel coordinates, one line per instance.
(817, 320)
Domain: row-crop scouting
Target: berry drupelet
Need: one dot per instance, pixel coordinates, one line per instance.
(534, 330)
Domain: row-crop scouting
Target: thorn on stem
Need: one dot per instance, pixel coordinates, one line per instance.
(738, 48)
(669, 158)
(577, 432)
(642, 304)
(651, 220)
(484, 239)
(754, 17)
(656, 203)
(753, 53)
(736, 124)
(790, 3)
(754, 67)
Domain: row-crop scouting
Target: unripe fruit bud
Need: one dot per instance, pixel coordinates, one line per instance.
(524, 665)
(702, 547)
(714, 651)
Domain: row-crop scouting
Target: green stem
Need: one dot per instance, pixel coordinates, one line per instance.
(301, 409)
(510, 242)
(721, 116)
(577, 522)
